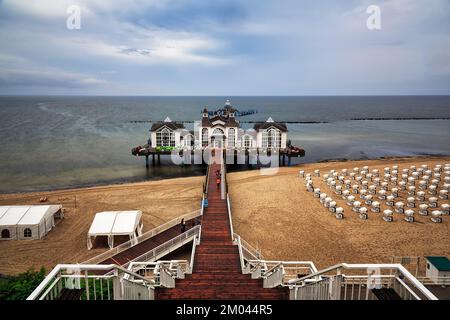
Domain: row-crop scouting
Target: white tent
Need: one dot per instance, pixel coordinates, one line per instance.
(115, 223)
(27, 222)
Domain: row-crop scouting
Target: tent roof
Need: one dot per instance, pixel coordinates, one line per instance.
(13, 215)
(3, 209)
(115, 222)
(25, 215)
(35, 214)
(126, 222)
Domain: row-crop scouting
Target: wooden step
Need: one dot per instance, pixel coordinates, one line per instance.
(70, 294)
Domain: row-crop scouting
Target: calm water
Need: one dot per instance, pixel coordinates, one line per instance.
(58, 142)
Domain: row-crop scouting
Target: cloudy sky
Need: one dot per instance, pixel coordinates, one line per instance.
(248, 47)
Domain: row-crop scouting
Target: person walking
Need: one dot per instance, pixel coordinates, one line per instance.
(218, 181)
(183, 226)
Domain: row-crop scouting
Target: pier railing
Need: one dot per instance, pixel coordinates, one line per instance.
(93, 283)
(357, 281)
(145, 236)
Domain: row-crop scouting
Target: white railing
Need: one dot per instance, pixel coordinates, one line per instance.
(167, 246)
(430, 281)
(359, 285)
(229, 216)
(162, 273)
(145, 236)
(95, 282)
(273, 273)
(248, 251)
(290, 270)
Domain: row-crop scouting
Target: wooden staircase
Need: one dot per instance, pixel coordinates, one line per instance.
(386, 294)
(217, 270)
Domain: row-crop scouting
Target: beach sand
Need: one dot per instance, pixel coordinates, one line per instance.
(274, 213)
(278, 216)
(160, 201)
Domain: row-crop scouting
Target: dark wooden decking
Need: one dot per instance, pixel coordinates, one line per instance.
(217, 270)
(145, 246)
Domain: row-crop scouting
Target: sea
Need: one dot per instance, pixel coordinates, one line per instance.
(56, 142)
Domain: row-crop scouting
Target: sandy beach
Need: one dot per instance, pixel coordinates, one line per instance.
(160, 201)
(274, 213)
(277, 215)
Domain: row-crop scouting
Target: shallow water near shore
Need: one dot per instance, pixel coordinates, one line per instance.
(61, 142)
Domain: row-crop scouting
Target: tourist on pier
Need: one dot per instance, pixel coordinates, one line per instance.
(218, 181)
(183, 226)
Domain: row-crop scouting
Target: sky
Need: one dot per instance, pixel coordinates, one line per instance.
(248, 47)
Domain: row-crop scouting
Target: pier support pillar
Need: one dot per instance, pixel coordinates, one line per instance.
(289, 161)
(153, 160)
(159, 159)
(146, 162)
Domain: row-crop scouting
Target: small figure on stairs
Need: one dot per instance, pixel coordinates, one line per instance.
(218, 182)
(183, 226)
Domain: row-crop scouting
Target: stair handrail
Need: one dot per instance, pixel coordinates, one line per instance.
(195, 243)
(272, 270)
(407, 288)
(241, 255)
(145, 236)
(229, 216)
(152, 253)
(390, 266)
(249, 248)
(56, 272)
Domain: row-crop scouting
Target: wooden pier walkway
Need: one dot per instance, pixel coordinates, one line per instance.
(217, 271)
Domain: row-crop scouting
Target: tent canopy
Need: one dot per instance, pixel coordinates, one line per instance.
(35, 214)
(36, 220)
(13, 215)
(26, 215)
(115, 223)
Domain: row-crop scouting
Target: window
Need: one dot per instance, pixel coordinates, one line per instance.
(247, 141)
(6, 234)
(271, 139)
(217, 138)
(27, 233)
(205, 140)
(187, 140)
(231, 137)
(165, 138)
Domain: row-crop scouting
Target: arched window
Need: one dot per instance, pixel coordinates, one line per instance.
(205, 140)
(165, 138)
(217, 138)
(271, 139)
(247, 141)
(6, 234)
(187, 140)
(27, 233)
(231, 137)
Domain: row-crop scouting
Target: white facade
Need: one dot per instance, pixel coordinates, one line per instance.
(220, 131)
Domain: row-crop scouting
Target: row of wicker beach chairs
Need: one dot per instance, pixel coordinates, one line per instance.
(424, 188)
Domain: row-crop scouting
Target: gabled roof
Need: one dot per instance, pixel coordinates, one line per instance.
(171, 125)
(266, 125)
(440, 263)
